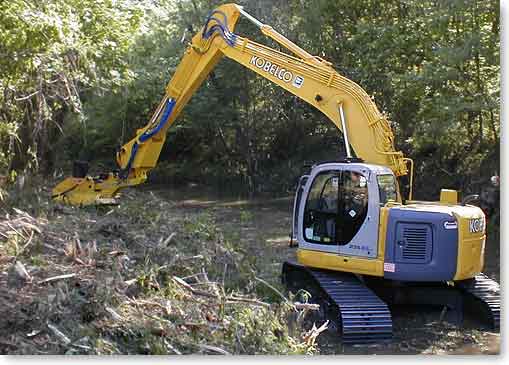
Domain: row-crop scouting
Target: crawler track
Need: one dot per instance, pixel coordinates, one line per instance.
(482, 295)
(363, 317)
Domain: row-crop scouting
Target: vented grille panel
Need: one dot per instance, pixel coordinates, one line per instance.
(414, 243)
(415, 247)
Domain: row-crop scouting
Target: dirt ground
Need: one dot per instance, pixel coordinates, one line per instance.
(264, 226)
(94, 310)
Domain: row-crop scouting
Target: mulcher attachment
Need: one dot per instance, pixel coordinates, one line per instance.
(482, 295)
(363, 317)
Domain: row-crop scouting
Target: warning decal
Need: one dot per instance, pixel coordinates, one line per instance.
(389, 267)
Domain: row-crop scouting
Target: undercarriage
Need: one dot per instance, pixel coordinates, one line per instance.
(359, 307)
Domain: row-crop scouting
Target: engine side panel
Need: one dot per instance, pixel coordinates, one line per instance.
(472, 238)
(420, 246)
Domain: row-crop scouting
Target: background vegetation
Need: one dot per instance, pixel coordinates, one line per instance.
(77, 78)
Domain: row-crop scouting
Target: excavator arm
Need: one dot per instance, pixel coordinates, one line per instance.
(310, 78)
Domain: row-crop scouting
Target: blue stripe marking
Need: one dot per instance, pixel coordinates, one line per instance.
(162, 121)
(168, 109)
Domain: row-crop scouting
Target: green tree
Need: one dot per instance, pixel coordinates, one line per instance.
(54, 54)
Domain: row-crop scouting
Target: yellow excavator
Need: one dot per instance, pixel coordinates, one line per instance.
(361, 245)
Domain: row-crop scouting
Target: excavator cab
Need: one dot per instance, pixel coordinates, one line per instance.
(349, 216)
(337, 207)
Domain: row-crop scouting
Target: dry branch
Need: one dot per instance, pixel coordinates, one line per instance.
(312, 334)
(191, 289)
(308, 306)
(229, 300)
(273, 289)
(167, 241)
(63, 338)
(55, 278)
(213, 349)
(236, 300)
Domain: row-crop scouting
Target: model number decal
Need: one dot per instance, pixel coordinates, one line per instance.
(359, 247)
(277, 71)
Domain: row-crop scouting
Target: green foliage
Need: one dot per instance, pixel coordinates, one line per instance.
(433, 67)
(80, 77)
(54, 54)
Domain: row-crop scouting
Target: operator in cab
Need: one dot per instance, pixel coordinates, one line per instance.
(355, 204)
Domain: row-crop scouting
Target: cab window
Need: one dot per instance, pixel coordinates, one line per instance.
(354, 207)
(320, 213)
(387, 188)
(336, 207)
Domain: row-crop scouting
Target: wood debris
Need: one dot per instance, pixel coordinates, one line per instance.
(62, 337)
(21, 224)
(56, 278)
(214, 349)
(18, 275)
(312, 334)
(134, 283)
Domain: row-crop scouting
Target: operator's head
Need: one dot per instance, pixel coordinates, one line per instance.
(358, 180)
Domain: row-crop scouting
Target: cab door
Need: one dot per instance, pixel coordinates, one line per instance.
(339, 212)
(296, 205)
(359, 213)
(318, 216)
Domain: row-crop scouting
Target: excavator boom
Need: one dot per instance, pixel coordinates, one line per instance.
(310, 78)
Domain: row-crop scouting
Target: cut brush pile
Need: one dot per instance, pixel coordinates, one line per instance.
(137, 279)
